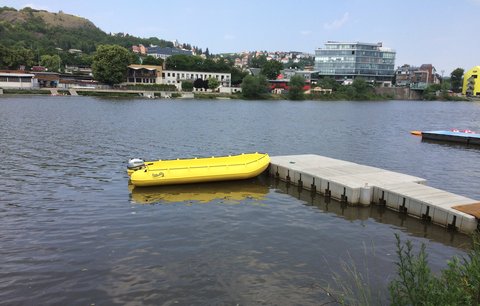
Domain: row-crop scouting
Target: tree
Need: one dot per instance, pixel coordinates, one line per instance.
(258, 61)
(14, 57)
(456, 79)
(85, 60)
(184, 62)
(150, 60)
(295, 88)
(254, 87)
(361, 89)
(187, 86)
(237, 75)
(328, 82)
(110, 64)
(430, 93)
(199, 83)
(213, 83)
(51, 62)
(271, 69)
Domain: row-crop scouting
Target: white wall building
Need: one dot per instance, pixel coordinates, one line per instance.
(149, 75)
(17, 80)
(176, 77)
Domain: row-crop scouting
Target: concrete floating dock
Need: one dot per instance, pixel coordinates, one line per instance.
(364, 185)
(450, 136)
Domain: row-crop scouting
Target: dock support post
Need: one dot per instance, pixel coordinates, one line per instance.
(313, 187)
(344, 198)
(453, 226)
(402, 209)
(382, 200)
(288, 176)
(328, 192)
(300, 182)
(425, 216)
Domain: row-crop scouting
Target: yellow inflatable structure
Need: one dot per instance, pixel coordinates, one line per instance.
(197, 170)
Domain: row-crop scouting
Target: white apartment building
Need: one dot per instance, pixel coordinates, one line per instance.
(176, 77)
(149, 74)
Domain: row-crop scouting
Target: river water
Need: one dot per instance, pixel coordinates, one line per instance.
(73, 231)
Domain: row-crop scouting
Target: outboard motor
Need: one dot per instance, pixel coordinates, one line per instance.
(135, 164)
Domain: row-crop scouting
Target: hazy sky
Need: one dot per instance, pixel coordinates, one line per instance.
(441, 32)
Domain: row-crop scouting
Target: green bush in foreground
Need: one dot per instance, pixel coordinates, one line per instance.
(458, 284)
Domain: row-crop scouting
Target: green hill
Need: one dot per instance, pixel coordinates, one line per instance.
(44, 32)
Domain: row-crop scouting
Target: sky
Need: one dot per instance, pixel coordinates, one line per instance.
(439, 32)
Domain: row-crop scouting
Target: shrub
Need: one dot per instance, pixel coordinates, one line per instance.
(458, 284)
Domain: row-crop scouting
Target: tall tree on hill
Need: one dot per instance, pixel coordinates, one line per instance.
(456, 79)
(110, 64)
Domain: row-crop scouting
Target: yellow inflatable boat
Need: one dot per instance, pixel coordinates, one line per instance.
(196, 170)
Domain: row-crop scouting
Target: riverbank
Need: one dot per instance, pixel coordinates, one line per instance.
(379, 94)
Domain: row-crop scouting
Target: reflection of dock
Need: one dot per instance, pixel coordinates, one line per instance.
(234, 191)
(449, 136)
(379, 213)
(358, 184)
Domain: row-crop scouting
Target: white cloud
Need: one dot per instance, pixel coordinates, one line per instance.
(337, 23)
(228, 37)
(305, 32)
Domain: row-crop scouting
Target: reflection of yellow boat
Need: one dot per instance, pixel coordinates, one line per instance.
(202, 193)
(196, 170)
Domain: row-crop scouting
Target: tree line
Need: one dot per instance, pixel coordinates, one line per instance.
(36, 35)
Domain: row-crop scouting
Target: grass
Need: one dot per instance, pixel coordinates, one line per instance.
(354, 287)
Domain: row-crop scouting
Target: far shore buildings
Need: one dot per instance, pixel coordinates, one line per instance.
(416, 77)
(17, 79)
(471, 82)
(20, 79)
(151, 74)
(345, 61)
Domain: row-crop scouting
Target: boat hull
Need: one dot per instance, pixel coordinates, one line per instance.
(199, 170)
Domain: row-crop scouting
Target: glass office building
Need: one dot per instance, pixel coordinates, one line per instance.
(346, 61)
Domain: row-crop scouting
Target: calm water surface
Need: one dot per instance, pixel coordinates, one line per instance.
(73, 232)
